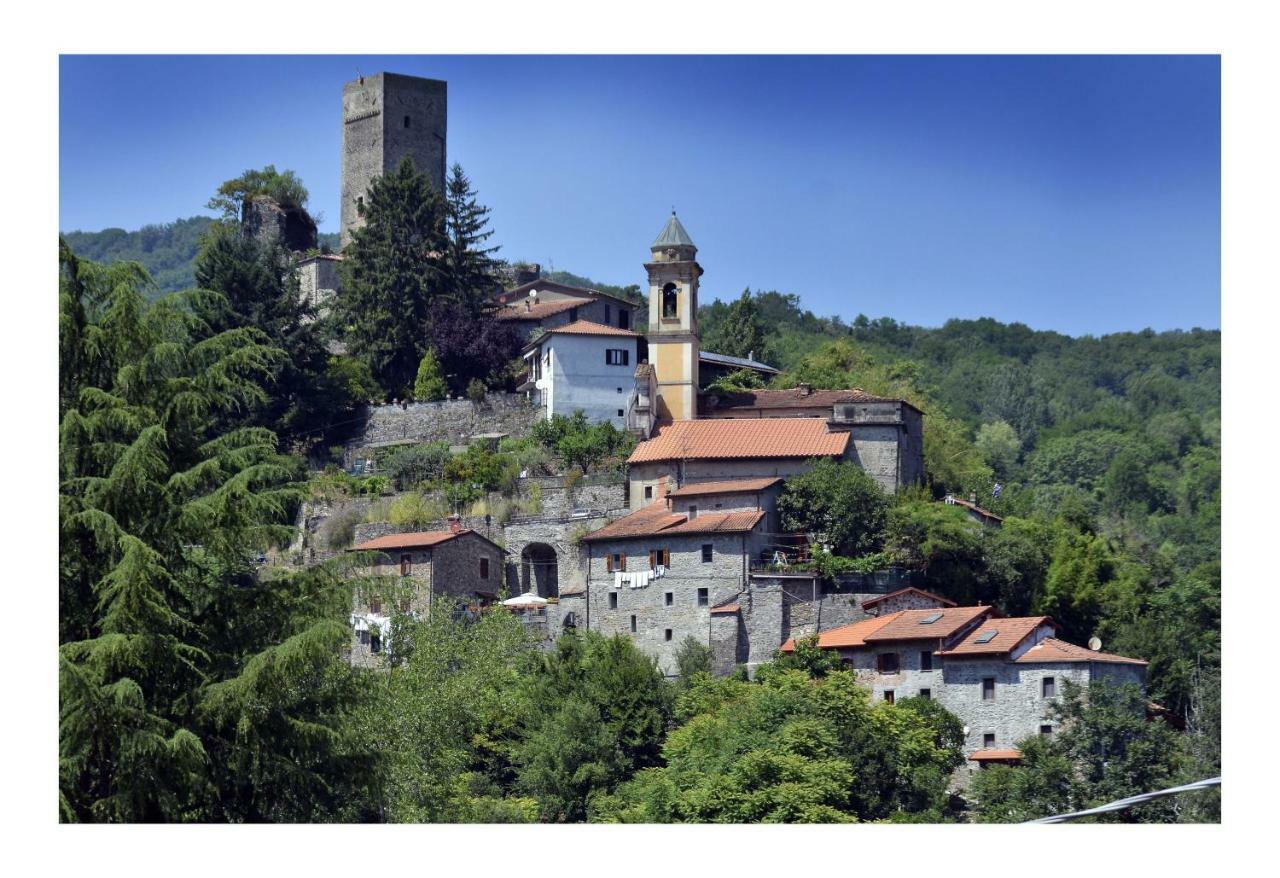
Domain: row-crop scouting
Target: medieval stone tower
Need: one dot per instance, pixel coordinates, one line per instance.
(385, 117)
(673, 321)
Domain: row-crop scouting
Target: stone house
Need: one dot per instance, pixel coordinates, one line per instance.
(657, 575)
(583, 366)
(458, 562)
(998, 675)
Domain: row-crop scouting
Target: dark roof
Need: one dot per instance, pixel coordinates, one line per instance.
(673, 235)
(738, 362)
(794, 398)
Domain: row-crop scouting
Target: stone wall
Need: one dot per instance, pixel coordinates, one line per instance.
(262, 218)
(454, 421)
(654, 612)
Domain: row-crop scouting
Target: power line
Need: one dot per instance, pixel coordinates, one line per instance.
(1121, 804)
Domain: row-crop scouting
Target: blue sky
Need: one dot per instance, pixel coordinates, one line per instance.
(1080, 194)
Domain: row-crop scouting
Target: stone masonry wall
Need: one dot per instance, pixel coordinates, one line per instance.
(453, 421)
(683, 616)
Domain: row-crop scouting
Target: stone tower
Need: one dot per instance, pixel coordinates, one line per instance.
(385, 117)
(673, 321)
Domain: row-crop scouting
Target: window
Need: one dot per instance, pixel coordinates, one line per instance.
(659, 556)
(989, 740)
(375, 642)
(1048, 687)
(613, 600)
(608, 313)
(624, 319)
(617, 561)
(887, 663)
(926, 660)
(670, 301)
(619, 389)
(988, 688)
(648, 492)
(707, 551)
(633, 624)
(693, 512)
(360, 205)
(375, 606)
(669, 598)
(1046, 731)
(617, 356)
(484, 568)
(620, 413)
(406, 121)
(573, 314)
(666, 635)
(703, 598)
(888, 695)
(406, 565)
(926, 694)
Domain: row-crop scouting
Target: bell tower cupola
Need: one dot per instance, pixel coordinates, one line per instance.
(673, 321)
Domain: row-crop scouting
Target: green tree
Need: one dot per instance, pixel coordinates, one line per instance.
(429, 385)
(284, 187)
(1000, 445)
(595, 710)
(741, 332)
(469, 264)
(392, 276)
(191, 686)
(839, 500)
(693, 657)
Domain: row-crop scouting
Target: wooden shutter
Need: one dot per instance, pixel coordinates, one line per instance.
(666, 557)
(608, 562)
(654, 561)
(623, 561)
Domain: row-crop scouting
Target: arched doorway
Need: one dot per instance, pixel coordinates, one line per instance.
(539, 571)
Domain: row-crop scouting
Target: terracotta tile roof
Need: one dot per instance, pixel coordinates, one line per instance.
(725, 609)
(519, 311)
(740, 438)
(847, 636)
(871, 602)
(417, 540)
(590, 327)
(907, 624)
(1051, 649)
(736, 486)
(657, 519)
(996, 755)
(1008, 634)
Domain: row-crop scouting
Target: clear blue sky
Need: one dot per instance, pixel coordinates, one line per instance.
(1080, 194)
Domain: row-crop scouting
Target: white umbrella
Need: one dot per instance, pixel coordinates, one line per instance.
(528, 599)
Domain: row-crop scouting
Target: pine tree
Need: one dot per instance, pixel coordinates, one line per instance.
(173, 652)
(392, 276)
(741, 333)
(469, 264)
(429, 386)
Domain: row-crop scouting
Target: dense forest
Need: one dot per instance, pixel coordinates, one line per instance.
(196, 685)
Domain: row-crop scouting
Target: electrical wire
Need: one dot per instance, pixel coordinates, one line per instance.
(1121, 804)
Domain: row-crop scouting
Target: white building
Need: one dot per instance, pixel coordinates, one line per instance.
(583, 366)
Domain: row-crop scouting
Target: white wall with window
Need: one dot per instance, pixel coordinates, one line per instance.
(594, 373)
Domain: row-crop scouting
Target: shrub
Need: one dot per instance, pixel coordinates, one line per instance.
(338, 530)
(476, 390)
(429, 385)
(414, 510)
(417, 464)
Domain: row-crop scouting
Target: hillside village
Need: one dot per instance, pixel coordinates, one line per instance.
(618, 479)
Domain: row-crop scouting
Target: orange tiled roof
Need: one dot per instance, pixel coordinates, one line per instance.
(519, 311)
(995, 755)
(736, 486)
(417, 540)
(906, 625)
(725, 609)
(871, 602)
(740, 438)
(590, 327)
(1051, 649)
(848, 636)
(657, 519)
(1009, 633)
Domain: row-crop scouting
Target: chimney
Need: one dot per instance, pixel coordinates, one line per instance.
(455, 524)
(973, 498)
(751, 355)
(805, 389)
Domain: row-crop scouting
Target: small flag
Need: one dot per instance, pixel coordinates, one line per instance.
(996, 491)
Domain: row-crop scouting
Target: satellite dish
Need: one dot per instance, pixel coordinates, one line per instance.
(533, 294)
(1095, 644)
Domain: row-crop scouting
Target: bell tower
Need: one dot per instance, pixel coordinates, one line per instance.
(673, 321)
